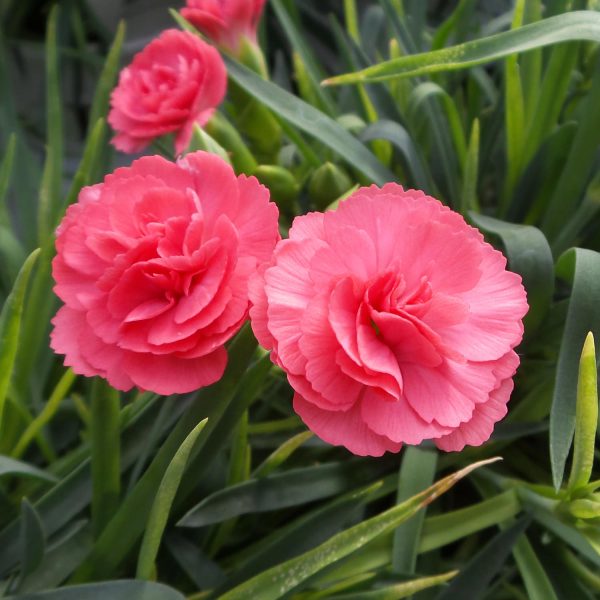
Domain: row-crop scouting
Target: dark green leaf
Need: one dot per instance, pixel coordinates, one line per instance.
(10, 466)
(577, 25)
(275, 582)
(581, 268)
(33, 540)
(474, 579)
(280, 490)
(310, 120)
(416, 474)
(10, 326)
(113, 590)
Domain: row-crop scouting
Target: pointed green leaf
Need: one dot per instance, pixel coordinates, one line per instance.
(412, 159)
(279, 490)
(417, 473)
(10, 325)
(51, 188)
(471, 172)
(577, 25)
(281, 454)
(107, 79)
(400, 590)
(159, 514)
(279, 580)
(474, 579)
(10, 466)
(311, 121)
(586, 416)
(534, 576)
(6, 167)
(113, 590)
(33, 540)
(88, 165)
(105, 437)
(581, 268)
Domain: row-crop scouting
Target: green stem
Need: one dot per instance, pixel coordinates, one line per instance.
(106, 454)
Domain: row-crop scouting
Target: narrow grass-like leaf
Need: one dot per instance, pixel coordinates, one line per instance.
(277, 581)
(201, 569)
(281, 454)
(310, 120)
(400, 590)
(515, 112)
(63, 502)
(581, 268)
(60, 559)
(570, 535)
(528, 254)
(474, 579)
(312, 68)
(280, 490)
(33, 540)
(539, 178)
(304, 533)
(586, 416)
(429, 92)
(536, 581)
(107, 79)
(106, 453)
(12, 256)
(577, 25)
(416, 474)
(115, 590)
(575, 174)
(471, 173)
(10, 466)
(441, 116)
(128, 522)
(412, 159)
(10, 326)
(444, 529)
(551, 98)
(88, 165)
(51, 190)
(572, 230)
(45, 416)
(165, 495)
(6, 168)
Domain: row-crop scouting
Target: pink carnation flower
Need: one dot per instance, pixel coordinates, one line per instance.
(175, 81)
(153, 267)
(225, 22)
(394, 321)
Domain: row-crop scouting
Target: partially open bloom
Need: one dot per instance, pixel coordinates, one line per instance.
(175, 81)
(153, 267)
(225, 22)
(394, 321)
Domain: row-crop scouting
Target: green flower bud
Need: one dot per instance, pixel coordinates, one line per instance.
(328, 183)
(585, 508)
(226, 134)
(201, 140)
(282, 184)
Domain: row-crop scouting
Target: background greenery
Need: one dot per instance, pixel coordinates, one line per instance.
(113, 492)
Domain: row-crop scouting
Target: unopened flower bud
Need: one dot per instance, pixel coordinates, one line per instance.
(328, 183)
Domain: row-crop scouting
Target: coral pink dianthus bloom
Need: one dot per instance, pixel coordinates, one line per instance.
(394, 321)
(153, 267)
(226, 22)
(175, 81)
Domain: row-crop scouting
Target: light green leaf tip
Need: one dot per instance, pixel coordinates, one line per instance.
(165, 495)
(586, 416)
